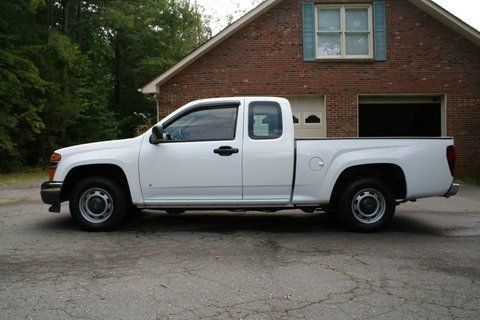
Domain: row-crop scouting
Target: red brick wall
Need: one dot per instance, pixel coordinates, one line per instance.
(266, 58)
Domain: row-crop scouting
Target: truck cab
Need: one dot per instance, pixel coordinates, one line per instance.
(219, 153)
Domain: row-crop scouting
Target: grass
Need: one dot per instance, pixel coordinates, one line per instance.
(31, 174)
(473, 180)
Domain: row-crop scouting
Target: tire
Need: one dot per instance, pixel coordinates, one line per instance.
(99, 204)
(366, 205)
(330, 210)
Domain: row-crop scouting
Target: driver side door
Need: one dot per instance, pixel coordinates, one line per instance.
(199, 161)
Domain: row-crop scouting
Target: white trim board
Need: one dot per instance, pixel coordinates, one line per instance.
(449, 19)
(392, 99)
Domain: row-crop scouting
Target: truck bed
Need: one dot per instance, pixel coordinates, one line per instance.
(319, 162)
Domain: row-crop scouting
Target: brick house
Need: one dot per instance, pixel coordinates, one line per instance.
(351, 68)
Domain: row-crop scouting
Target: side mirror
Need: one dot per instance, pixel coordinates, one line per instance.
(157, 134)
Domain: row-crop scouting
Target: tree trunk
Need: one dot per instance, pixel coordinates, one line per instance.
(79, 10)
(47, 13)
(51, 16)
(116, 72)
(65, 16)
(78, 32)
(65, 71)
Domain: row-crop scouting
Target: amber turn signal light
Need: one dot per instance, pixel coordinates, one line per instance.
(52, 166)
(55, 157)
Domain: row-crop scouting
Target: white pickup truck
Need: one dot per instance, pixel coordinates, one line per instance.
(240, 154)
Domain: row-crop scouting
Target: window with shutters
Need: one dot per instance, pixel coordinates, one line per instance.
(343, 32)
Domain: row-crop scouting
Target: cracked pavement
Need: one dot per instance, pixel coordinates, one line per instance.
(214, 265)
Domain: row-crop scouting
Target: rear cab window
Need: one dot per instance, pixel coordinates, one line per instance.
(265, 120)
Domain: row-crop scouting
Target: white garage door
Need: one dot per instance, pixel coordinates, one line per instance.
(308, 116)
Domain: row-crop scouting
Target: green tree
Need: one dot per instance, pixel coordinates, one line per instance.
(21, 85)
(147, 37)
(70, 69)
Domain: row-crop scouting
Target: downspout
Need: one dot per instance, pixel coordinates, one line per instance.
(158, 103)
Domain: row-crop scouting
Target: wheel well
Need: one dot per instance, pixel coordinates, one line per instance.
(79, 173)
(390, 173)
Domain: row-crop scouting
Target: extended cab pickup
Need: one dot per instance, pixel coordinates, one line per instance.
(240, 154)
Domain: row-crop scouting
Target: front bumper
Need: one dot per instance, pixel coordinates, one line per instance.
(453, 190)
(50, 192)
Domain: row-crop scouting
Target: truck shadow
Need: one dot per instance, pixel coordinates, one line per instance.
(262, 222)
(220, 222)
(233, 222)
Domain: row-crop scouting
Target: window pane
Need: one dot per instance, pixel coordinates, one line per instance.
(357, 44)
(329, 44)
(328, 19)
(357, 19)
(265, 120)
(204, 125)
(313, 118)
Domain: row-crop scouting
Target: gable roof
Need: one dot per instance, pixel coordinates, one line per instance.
(209, 45)
(449, 19)
(428, 6)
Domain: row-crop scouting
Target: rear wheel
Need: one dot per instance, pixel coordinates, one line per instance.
(99, 204)
(367, 205)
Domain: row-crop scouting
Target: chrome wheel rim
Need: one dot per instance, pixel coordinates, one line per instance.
(368, 206)
(96, 205)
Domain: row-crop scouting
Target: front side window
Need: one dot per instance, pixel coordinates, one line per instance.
(205, 124)
(265, 120)
(344, 32)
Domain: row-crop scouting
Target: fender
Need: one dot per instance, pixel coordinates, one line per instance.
(122, 153)
(351, 159)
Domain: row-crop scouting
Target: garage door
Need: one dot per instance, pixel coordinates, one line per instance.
(308, 116)
(420, 117)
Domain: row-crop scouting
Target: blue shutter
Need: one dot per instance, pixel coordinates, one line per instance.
(380, 31)
(308, 14)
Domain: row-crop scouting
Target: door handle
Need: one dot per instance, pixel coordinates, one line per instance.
(225, 151)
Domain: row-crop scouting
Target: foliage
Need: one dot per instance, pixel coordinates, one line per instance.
(28, 174)
(70, 69)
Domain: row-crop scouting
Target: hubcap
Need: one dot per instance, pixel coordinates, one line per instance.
(368, 206)
(96, 205)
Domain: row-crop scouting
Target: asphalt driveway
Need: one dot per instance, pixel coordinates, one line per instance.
(241, 266)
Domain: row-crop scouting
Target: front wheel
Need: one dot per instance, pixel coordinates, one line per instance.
(98, 204)
(367, 205)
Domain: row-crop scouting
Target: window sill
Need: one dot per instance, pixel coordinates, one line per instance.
(349, 60)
